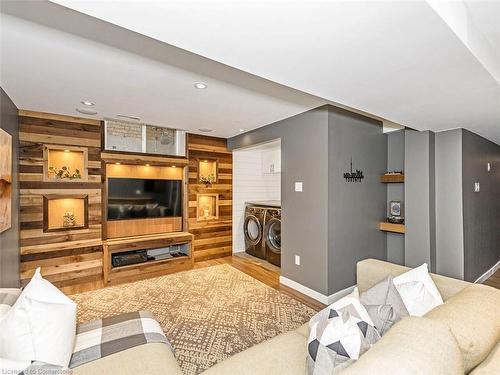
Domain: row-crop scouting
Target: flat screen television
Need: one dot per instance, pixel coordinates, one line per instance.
(135, 198)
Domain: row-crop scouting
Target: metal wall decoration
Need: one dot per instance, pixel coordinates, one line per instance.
(351, 176)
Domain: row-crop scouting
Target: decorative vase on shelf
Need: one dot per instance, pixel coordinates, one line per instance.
(69, 219)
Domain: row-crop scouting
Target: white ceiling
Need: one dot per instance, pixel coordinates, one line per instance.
(52, 69)
(401, 61)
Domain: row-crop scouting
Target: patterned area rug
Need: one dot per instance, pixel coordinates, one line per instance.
(207, 314)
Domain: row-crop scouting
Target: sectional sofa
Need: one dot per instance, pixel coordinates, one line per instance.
(460, 336)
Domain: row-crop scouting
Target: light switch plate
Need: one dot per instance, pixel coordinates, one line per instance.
(298, 186)
(488, 167)
(297, 260)
(477, 187)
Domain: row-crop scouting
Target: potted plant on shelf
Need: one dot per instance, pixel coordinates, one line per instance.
(207, 180)
(65, 173)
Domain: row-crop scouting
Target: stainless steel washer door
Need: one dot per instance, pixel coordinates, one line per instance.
(252, 229)
(273, 235)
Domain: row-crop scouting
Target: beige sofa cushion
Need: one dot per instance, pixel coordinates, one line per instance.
(473, 316)
(282, 355)
(151, 359)
(304, 330)
(414, 346)
(371, 271)
(491, 365)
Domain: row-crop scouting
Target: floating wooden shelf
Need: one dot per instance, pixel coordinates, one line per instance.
(390, 227)
(392, 178)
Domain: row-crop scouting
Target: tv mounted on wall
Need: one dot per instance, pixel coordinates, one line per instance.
(136, 198)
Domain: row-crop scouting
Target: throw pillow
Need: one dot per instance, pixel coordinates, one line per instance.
(41, 326)
(336, 342)
(350, 304)
(384, 305)
(418, 291)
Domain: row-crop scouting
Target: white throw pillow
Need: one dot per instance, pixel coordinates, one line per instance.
(418, 291)
(41, 326)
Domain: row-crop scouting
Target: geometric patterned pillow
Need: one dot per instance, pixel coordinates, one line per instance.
(384, 305)
(350, 304)
(339, 335)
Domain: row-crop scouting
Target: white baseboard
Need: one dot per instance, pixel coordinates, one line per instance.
(326, 300)
(488, 273)
(238, 251)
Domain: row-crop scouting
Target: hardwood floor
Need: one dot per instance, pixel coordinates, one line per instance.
(262, 271)
(269, 275)
(494, 280)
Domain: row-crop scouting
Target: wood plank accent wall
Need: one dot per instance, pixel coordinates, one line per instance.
(213, 238)
(70, 258)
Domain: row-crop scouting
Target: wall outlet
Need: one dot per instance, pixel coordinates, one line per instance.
(476, 187)
(298, 187)
(297, 260)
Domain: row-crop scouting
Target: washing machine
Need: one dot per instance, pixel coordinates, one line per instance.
(272, 236)
(253, 228)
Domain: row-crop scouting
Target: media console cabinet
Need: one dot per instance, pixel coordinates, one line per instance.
(151, 268)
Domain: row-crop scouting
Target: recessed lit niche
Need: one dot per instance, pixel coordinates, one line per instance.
(65, 212)
(65, 164)
(207, 207)
(207, 171)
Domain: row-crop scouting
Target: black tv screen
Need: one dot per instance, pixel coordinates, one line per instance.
(134, 198)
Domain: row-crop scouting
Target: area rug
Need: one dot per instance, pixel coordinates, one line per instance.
(208, 314)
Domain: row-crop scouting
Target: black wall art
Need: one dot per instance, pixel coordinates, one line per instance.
(351, 176)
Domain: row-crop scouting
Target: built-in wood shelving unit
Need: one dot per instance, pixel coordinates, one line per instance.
(391, 227)
(392, 178)
(153, 268)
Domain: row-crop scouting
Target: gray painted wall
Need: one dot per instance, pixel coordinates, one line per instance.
(449, 222)
(331, 224)
(304, 158)
(481, 211)
(420, 239)
(355, 208)
(9, 240)
(396, 192)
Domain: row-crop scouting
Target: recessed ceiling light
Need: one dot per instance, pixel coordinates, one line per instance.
(200, 85)
(87, 102)
(174, 166)
(148, 165)
(66, 151)
(242, 130)
(86, 111)
(205, 130)
(117, 163)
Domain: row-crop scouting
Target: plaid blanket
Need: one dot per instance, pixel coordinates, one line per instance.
(100, 338)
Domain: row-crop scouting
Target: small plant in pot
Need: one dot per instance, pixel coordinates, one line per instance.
(65, 173)
(207, 180)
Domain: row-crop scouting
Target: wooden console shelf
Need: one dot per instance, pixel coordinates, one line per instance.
(152, 268)
(390, 227)
(392, 178)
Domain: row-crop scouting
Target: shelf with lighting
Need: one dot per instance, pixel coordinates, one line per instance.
(207, 171)
(65, 212)
(207, 207)
(65, 163)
